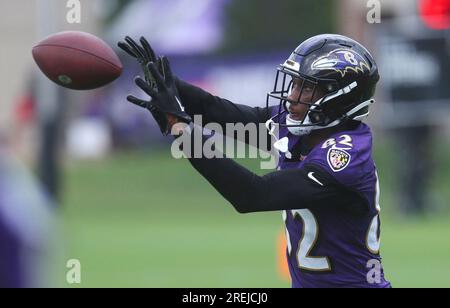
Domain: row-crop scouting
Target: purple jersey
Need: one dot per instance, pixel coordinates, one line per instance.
(26, 226)
(11, 269)
(329, 246)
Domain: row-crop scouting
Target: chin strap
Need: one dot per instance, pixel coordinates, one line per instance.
(282, 144)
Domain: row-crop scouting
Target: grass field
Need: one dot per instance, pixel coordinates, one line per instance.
(147, 220)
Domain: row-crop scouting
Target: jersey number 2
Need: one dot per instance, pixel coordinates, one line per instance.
(310, 234)
(307, 242)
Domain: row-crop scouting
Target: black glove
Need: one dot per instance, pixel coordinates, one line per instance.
(144, 55)
(165, 97)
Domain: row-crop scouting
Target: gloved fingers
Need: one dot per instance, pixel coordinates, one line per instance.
(137, 101)
(141, 83)
(157, 75)
(138, 50)
(148, 49)
(167, 71)
(160, 66)
(127, 49)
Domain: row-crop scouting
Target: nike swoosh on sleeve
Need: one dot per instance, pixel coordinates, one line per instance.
(312, 177)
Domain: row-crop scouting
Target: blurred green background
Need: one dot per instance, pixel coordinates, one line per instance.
(136, 217)
(144, 219)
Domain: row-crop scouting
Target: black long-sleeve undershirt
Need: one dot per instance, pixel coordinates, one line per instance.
(218, 110)
(246, 191)
(278, 190)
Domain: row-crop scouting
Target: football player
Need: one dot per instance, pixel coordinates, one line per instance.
(27, 226)
(326, 183)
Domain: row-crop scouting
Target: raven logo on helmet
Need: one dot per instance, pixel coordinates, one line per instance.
(341, 60)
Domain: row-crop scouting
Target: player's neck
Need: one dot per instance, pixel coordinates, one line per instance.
(319, 136)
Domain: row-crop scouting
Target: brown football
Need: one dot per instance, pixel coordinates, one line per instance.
(77, 60)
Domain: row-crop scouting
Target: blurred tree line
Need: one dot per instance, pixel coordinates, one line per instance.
(252, 25)
(268, 24)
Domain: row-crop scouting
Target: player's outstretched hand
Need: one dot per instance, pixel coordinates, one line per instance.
(164, 97)
(143, 53)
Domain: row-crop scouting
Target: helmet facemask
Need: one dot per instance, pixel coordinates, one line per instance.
(319, 114)
(314, 117)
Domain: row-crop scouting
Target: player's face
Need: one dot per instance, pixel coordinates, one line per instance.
(303, 94)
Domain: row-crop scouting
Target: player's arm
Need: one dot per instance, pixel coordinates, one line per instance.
(196, 101)
(308, 187)
(216, 109)
(247, 192)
